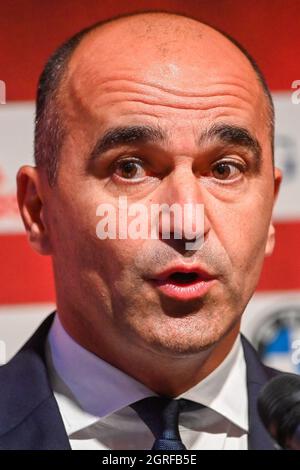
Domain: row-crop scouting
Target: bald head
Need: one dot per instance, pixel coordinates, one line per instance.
(174, 52)
(151, 115)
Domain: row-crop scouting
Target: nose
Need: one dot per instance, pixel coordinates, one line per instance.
(183, 210)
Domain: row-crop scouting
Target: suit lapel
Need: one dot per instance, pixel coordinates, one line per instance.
(30, 418)
(257, 376)
(43, 429)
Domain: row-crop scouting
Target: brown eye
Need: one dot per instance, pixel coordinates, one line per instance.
(130, 169)
(225, 170)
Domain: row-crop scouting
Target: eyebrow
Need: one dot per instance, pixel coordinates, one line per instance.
(228, 134)
(235, 136)
(118, 136)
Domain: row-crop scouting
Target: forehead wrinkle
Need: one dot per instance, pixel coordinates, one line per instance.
(133, 91)
(88, 71)
(128, 83)
(161, 74)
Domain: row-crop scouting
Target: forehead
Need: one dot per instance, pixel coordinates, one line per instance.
(174, 73)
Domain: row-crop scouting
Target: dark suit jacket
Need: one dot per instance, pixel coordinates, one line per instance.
(29, 415)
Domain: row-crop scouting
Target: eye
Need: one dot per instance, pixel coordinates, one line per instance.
(227, 170)
(130, 169)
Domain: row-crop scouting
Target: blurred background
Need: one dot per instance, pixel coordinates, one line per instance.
(29, 31)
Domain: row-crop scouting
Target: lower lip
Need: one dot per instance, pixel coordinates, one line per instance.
(189, 291)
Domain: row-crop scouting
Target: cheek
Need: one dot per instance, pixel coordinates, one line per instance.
(242, 230)
(120, 256)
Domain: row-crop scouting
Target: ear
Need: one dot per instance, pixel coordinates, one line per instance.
(271, 234)
(31, 208)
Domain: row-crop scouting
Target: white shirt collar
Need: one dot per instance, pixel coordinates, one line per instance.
(224, 390)
(91, 388)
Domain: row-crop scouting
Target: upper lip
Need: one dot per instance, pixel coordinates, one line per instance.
(182, 268)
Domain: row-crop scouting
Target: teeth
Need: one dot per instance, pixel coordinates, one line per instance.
(184, 278)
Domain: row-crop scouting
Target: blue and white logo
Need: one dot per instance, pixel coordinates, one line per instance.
(277, 340)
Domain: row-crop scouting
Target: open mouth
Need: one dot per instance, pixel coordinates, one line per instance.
(183, 284)
(180, 278)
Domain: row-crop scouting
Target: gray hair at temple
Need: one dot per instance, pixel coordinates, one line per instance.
(49, 128)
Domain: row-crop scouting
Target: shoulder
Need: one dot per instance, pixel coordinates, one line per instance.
(24, 380)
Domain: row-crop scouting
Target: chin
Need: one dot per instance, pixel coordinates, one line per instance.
(180, 345)
(180, 336)
(182, 350)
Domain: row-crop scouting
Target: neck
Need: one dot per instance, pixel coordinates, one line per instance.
(163, 373)
(173, 375)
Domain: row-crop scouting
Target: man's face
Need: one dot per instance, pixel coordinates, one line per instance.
(176, 120)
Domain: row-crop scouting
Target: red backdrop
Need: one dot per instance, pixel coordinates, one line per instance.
(30, 30)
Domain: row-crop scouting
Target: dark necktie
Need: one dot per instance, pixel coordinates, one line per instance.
(161, 415)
